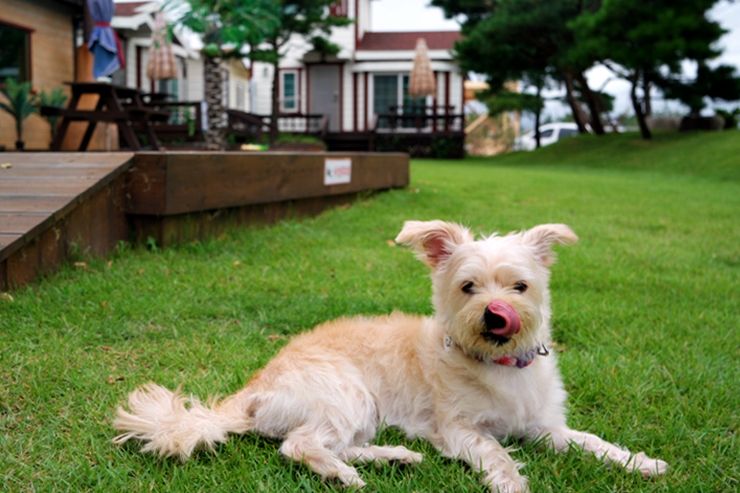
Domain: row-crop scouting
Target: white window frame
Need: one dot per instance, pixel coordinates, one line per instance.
(296, 95)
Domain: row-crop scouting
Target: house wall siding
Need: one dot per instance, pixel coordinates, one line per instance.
(52, 60)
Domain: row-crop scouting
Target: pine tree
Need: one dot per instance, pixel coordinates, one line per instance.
(646, 43)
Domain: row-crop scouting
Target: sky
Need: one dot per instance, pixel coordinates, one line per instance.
(417, 15)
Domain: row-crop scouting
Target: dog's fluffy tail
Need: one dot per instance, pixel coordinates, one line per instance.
(170, 424)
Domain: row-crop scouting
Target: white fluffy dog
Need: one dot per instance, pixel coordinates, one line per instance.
(475, 372)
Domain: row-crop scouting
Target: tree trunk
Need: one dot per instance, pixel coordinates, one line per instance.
(537, 114)
(574, 104)
(639, 113)
(594, 108)
(275, 113)
(646, 86)
(214, 90)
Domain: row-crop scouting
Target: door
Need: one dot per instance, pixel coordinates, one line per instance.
(324, 97)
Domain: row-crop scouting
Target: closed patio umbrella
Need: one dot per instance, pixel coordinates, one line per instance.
(422, 81)
(161, 63)
(104, 42)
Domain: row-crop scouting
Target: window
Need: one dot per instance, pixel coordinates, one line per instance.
(546, 133)
(567, 132)
(171, 87)
(412, 105)
(385, 93)
(391, 96)
(15, 56)
(289, 91)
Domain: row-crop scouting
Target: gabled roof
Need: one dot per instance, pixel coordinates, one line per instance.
(406, 41)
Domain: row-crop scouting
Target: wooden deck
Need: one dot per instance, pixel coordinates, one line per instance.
(52, 204)
(57, 207)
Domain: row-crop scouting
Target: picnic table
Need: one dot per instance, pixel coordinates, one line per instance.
(123, 106)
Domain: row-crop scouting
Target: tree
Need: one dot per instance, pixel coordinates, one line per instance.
(718, 83)
(226, 27)
(511, 38)
(311, 19)
(642, 41)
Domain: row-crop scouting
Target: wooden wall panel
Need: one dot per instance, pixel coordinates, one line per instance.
(199, 182)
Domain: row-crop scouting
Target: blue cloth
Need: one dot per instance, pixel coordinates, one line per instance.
(103, 42)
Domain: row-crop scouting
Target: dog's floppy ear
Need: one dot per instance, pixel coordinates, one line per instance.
(541, 238)
(433, 241)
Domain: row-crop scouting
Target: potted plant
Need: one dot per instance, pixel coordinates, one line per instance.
(19, 103)
(47, 103)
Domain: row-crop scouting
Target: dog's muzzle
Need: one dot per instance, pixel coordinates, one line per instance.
(501, 320)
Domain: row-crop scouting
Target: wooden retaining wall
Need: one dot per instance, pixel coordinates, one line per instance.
(57, 206)
(177, 197)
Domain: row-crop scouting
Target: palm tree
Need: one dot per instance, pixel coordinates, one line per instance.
(226, 27)
(54, 99)
(19, 104)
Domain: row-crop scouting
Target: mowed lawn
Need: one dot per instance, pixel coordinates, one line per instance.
(646, 320)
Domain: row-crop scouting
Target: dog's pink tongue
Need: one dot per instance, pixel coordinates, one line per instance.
(511, 321)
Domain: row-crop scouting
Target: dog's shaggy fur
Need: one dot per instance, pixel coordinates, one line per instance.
(463, 379)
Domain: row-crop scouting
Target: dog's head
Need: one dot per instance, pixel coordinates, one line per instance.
(490, 294)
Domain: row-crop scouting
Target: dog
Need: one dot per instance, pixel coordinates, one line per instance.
(475, 372)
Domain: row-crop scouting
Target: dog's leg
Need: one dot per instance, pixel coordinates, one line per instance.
(378, 453)
(561, 439)
(305, 445)
(484, 454)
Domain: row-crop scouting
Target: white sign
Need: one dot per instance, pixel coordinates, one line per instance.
(337, 171)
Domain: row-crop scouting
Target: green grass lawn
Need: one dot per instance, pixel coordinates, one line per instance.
(646, 317)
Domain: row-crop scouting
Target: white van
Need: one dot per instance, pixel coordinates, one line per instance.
(549, 134)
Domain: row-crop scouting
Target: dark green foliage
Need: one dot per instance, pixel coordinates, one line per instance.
(730, 117)
(505, 100)
(718, 83)
(54, 99)
(226, 26)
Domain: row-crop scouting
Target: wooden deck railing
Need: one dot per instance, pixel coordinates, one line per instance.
(419, 123)
(249, 126)
(183, 120)
(310, 124)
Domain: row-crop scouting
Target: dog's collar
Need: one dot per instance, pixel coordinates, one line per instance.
(522, 360)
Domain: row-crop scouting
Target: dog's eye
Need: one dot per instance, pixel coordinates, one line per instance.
(467, 287)
(520, 286)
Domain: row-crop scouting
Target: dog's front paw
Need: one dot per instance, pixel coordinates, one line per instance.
(406, 456)
(509, 483)
(646, 466)
(351, 480)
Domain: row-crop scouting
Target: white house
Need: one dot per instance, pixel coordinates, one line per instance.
(369, 76)
(356, 90)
